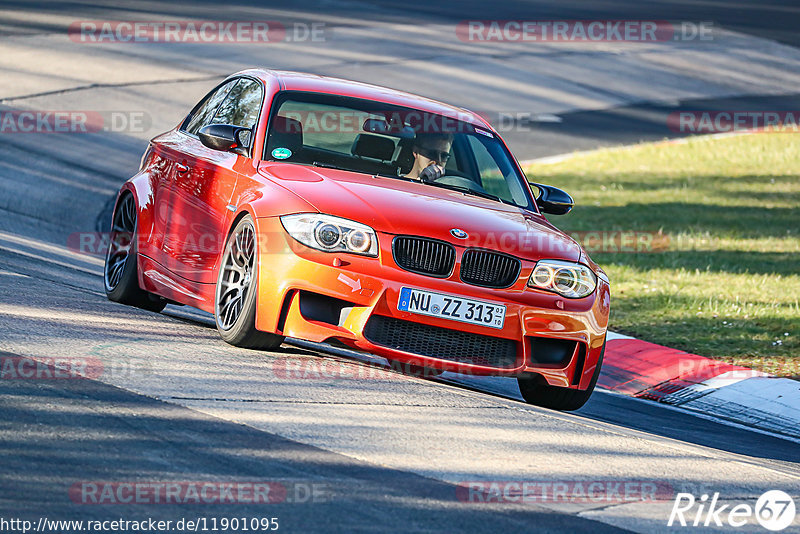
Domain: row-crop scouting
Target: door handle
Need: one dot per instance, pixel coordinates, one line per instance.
(182, 168)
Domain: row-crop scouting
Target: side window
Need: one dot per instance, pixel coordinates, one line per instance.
(205, 112)
(487, 166)
(494, 179)
(242, 106)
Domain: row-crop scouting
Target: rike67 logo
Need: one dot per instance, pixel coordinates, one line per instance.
(774, 510)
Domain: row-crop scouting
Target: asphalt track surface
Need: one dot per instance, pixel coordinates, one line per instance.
(385, 451)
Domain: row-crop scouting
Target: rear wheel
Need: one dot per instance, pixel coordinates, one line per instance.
(558, 398)
(237, 285)
(119, 275)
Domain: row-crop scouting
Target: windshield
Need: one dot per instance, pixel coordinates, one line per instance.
(379, 139)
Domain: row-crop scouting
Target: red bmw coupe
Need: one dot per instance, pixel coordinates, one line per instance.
(297, 205)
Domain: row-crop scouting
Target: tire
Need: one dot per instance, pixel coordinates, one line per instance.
(120, 276)
(558, 398)
(235, 294)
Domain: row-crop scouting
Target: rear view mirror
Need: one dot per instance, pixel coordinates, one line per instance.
(553, 200)
(226, 138)
(380, 126)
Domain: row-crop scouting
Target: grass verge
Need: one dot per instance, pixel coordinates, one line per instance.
(723, 280)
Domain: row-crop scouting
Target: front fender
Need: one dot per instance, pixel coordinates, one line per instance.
(265, 201)
(142, 188)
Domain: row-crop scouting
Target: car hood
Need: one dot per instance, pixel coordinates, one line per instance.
(400, 207)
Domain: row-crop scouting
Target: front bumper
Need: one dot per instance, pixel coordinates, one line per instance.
(358, 289)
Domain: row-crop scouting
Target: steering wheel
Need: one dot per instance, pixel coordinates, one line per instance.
(459, 180)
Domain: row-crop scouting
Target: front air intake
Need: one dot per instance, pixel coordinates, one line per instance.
(441, 343)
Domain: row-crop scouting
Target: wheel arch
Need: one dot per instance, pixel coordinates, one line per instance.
(265, 208)
(139, 187)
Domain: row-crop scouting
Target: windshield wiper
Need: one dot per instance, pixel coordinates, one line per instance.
(468, 191)
(338, 168)
(394, 177)
(331, 166)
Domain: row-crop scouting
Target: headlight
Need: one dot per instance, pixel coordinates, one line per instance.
(571, 280)
(331, 234)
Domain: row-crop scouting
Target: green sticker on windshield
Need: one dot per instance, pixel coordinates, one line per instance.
(281, 153)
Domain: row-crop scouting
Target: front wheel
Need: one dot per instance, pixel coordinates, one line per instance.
(558, 398)
(237, 285)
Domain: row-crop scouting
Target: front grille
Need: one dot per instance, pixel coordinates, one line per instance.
(424, 256)
(489, 269)
(441, 343)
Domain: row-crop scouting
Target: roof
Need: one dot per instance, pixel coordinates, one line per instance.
(301, 81)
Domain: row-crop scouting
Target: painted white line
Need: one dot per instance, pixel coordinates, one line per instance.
(10, 273)
(610, 336)
(52, 261)
(43, 246)
(731, 377)
(764, 402)
(702, 415)
(546, 117)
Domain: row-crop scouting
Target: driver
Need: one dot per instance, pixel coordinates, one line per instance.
(431, 152)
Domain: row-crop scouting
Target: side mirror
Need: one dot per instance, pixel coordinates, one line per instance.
(226, 138)
(553, 200)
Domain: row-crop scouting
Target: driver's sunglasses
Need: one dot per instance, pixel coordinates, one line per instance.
(434, 155)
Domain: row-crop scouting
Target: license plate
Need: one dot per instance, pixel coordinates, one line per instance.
(451, 307)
